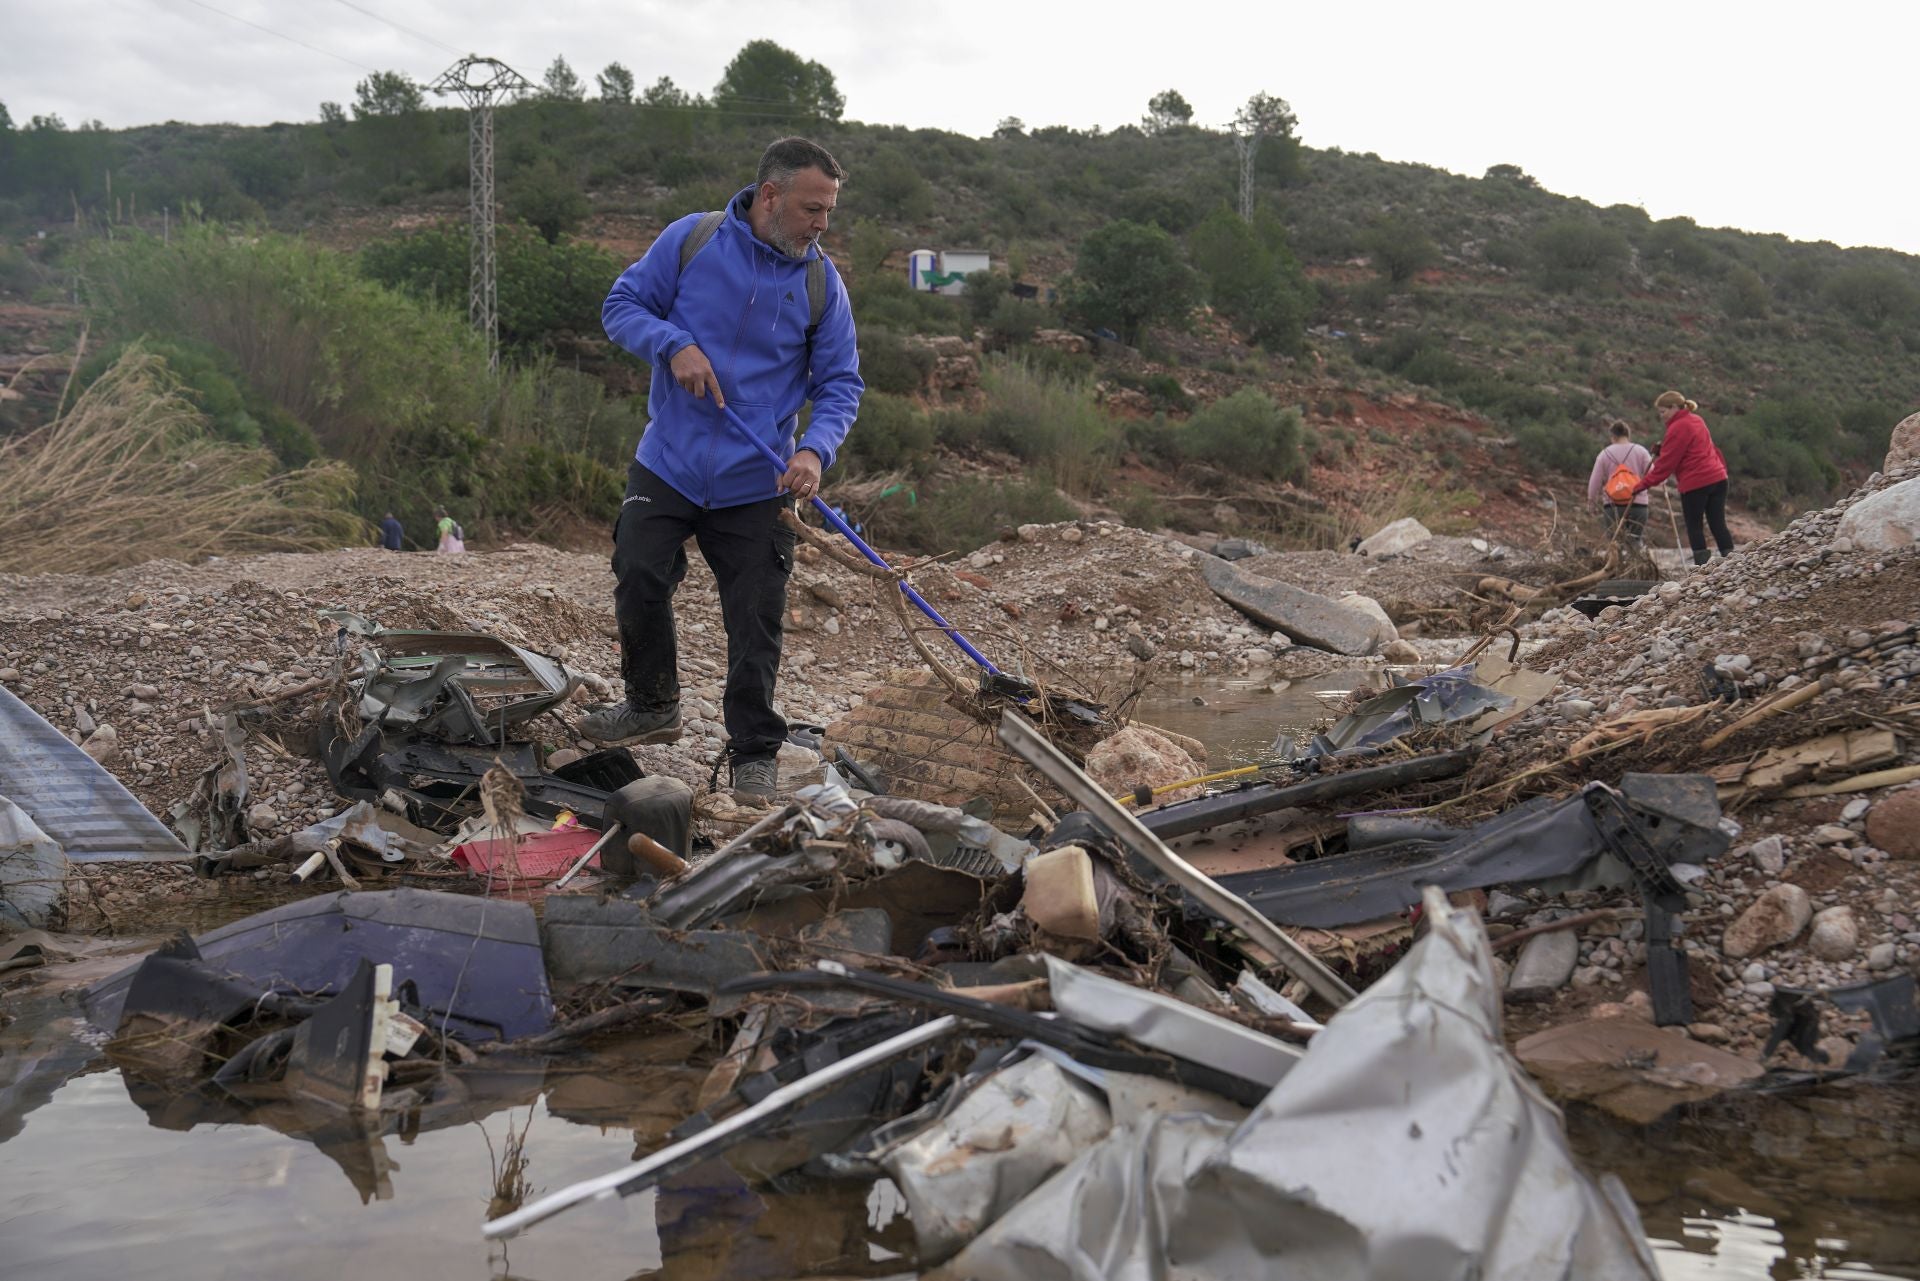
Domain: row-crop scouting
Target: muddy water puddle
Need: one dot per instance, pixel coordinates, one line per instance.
(98, 1180)
(1239, 717)
(95, 1185)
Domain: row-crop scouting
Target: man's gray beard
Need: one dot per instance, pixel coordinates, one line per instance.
(786, 245)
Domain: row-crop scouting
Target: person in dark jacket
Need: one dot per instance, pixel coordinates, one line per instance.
(1688, 454)
(727, 325)
(391, 533)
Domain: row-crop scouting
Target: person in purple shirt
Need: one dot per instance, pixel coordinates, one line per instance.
(1613, 489)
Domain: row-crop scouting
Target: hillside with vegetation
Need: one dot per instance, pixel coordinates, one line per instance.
(1378, 338)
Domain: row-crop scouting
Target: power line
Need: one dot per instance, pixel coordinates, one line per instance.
(405, 31)
(281, 35)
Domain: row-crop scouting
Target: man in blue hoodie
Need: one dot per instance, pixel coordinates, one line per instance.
(737, 309)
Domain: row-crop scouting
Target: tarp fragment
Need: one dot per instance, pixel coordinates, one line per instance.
(1406, 1146)
(71, 797)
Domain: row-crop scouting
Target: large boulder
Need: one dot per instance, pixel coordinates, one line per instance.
(953, 364)
(1893, 824)
(1141, 755)
(1904, 448)
(1632, 1069)
(1390, 540)
(1888, 521)
(1386, 633)
(1775, 917)
(1835, 935)
(1306, 618)
(1544, 965)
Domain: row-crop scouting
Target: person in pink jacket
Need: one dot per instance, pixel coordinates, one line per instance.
(1604, 486)
(1688, 454)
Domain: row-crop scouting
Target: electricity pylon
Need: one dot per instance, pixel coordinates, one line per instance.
(481, 82)
(1247, 144)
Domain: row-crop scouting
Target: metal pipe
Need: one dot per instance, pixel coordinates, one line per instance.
(313, 864)
(633, 1178)
(1031, 746)
(834, 519)
(1187, 817)
(584, 859)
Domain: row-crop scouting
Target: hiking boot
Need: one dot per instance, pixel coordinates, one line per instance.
(756, 781)
(622, 724)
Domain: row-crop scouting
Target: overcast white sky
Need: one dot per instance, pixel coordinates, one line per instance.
(1796, 118)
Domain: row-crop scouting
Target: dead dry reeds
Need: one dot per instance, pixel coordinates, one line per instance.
(130, 474)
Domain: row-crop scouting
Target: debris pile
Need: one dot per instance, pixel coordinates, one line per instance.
(1787, 672)
(893, 983)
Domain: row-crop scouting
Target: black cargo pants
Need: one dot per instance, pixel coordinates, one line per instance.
(750, 551)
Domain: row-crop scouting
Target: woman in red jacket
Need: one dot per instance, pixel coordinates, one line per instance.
(1688, 455)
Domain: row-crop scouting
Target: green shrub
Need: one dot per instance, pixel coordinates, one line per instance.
(964, 514)
(964, 431)
(1772, 469)
(1436, 368)
(888, 363)
(1066, 366)
(1677, 243)
(1141, 508)
(986, 290)
(1578, 252)
(1253, 279)
(868, 244)
(1866, 426)
(1245, 433)
(1555, 446)
(1164, 390)
(1012, 323)
(398, 387)
(211, 380)
(1127, 277)
(890, 433)
(1746, 296)
(885, 300)
(892, 187)
(1873, 295)
(1172, 209)
(1371, 297)
(547, 200)
(1400, 248)
(17, 272)
(546, 288)
(1051, 422)
(1803, 420)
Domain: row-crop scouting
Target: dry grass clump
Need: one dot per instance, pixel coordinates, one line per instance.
(129, 474)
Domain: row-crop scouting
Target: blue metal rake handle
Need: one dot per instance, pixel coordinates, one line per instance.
(834, 519)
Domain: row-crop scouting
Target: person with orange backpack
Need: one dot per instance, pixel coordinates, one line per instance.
(1615, 482)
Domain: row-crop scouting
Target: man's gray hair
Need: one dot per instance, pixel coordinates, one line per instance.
(789, 156)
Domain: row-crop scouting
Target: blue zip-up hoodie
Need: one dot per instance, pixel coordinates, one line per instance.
(745, 304)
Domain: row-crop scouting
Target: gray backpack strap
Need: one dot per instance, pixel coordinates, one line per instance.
(816, 292)
(702, 232)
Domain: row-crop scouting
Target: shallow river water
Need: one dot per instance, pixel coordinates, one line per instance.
(94, 1185)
